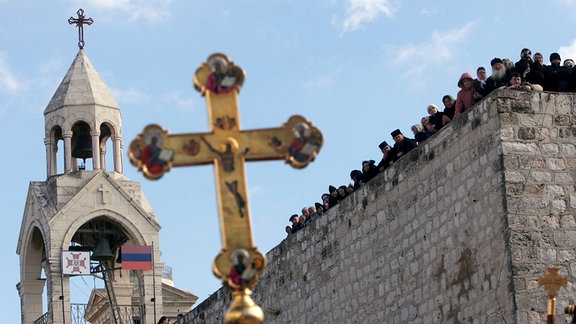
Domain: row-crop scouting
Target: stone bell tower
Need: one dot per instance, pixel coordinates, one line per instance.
(85, 206)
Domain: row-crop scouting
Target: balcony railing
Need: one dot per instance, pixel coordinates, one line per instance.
(99, 314)
(42, 320)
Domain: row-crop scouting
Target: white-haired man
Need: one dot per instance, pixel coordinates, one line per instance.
(499, 77)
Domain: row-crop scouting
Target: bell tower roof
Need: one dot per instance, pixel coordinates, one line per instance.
(81, 86)
(84, 115)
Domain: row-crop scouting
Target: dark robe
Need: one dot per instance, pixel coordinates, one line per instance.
(493, 84)
(372, 170)
(404, 147)
(436, 120)
(530, 71)
(449, 111)
(557, 78)
(387, 160)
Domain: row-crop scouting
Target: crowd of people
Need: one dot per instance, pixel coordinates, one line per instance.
(529, 73)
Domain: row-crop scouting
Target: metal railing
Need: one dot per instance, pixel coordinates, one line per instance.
(42, 319)
(100, 314)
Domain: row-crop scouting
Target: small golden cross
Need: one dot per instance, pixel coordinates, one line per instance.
(552, 282)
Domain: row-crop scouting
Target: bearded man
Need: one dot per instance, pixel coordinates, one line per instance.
(499, 77)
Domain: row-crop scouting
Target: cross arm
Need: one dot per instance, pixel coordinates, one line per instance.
(155, 151)
(297, 142)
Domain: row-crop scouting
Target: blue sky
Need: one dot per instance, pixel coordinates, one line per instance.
(358, 69)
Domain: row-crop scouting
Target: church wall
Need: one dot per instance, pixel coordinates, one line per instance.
(458, 230)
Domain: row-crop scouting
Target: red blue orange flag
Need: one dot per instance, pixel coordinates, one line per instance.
(136, 257)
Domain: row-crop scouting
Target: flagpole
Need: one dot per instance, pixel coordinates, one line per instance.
(62, 295)
(153, 282)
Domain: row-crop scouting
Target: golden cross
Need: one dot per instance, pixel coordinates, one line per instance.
(155, 152)
(552, 282)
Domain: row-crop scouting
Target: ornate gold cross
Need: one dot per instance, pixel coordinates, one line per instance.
(297, 141)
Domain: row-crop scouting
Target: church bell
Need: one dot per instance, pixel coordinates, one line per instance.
(82, 148)
(102, 251)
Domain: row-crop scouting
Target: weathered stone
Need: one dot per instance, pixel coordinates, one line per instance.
(520, 148)
(567, 132)
(556, 164)
(526, 133)
(563, 120)
(508, 119)
(550, 149)
(565, 239)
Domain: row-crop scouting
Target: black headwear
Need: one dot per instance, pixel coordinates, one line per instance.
(495, 60)
(355, 173)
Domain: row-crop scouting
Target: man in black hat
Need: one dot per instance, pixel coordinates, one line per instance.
(295, 223)
(358, 179)
(387, 156)
(499, 77)
(556, 77)
(402, 145)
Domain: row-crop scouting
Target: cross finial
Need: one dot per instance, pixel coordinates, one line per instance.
(80, 22)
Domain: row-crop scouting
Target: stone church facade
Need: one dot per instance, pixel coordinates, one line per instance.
(457, 231)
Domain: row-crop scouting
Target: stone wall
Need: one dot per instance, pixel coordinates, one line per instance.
(539, 155)
(457, 231)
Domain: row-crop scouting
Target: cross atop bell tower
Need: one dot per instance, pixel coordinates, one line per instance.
(80, 22)
(84, 115)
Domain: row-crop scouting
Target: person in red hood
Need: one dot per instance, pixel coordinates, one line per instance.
(465, 97)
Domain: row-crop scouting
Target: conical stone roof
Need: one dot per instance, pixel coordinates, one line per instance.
(81, 86)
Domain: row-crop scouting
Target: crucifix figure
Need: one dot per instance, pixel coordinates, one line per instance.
(80, 22)
(297, 142)
(552, 282)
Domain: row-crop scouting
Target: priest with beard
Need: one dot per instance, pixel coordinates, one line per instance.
(499, 77)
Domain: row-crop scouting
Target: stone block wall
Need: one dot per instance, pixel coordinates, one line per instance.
(457, 231)
(538, 136)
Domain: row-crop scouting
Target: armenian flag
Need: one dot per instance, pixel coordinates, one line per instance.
(135, 257)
